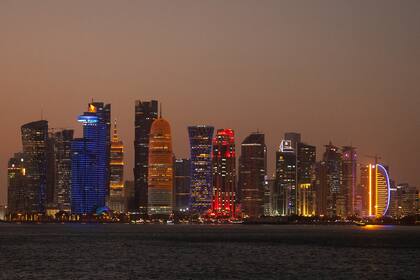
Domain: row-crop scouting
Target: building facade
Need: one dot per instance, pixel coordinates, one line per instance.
(90, 164)
(348, 192)
(252, 175)
(116, 200)
(224, 174)
(35, 146)
(145, 113)
(160, 177)
(306, 194)
(201, 168)
(182, 181)
(286, 180)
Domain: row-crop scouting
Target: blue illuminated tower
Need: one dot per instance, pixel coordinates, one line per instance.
(90, 164)
(201, 168)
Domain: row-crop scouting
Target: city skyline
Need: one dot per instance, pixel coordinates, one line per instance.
(348, 82)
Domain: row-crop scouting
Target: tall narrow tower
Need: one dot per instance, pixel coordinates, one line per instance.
(224, 173)
(145, 113)
(116, 186)
(201, 168)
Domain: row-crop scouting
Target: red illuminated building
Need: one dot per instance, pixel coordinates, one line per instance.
(224, 174)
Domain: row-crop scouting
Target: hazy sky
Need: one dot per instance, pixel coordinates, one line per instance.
(345, 71)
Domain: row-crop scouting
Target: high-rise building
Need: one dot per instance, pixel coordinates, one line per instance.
(286, 179)
(90, 164)
(321, 188)
(145, 113)
(18, 197)
(407, 200)
(224, 173)
(59, 169)
(379, 190)
(182, 180)
(160, 178)
(34, 140)
(332, 162)
(348, 190)
(306, 195)
(201, 168)
(103, 111)
(116, 199)
(294, 139)
(252, 174)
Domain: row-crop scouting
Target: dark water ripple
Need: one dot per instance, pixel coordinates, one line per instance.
(208, 252)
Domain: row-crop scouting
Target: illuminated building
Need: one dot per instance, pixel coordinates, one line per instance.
(286, 180)
(294, 139)
(321, 188)
(379, 190)
(269, 196)
(348, 190)
(160, 178)
(252, 174)
(306, 196)
(363, 190)
(201, 168)
(182, 181)
(116, 200)
(145, 114)
(407, 200)
(129, 194)
(224, 173)
(103, 111)
(59, 169)
(332, 162)
(34, 140)
(18, 197)
(90, 164)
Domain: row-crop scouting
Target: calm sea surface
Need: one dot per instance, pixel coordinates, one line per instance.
(75, 251)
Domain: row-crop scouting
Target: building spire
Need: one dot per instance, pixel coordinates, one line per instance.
(115, 132)
(160, 111)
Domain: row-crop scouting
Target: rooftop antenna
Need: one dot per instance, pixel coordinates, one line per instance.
(42, 114)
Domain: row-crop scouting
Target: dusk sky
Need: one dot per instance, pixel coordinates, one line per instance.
(345, 71)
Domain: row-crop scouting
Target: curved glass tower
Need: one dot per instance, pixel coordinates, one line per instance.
(379, 190)
(201, 168)
(160, 175)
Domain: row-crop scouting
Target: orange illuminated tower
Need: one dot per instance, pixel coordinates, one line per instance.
(379, 189)
(116, 186)
(224, 173)
(160, 175)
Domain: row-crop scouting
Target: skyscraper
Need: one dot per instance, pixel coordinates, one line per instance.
(201, 168)
(145, 114)
(60, 166)
(306, 197)
(379, 190)
(116, 199)
(349, 182)
(333, 175)
(224, 173)
(252, 174)
(182, 181)
(160, 178)
(286, 180)
(90, 164)
(34, 140)
(18, 197)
